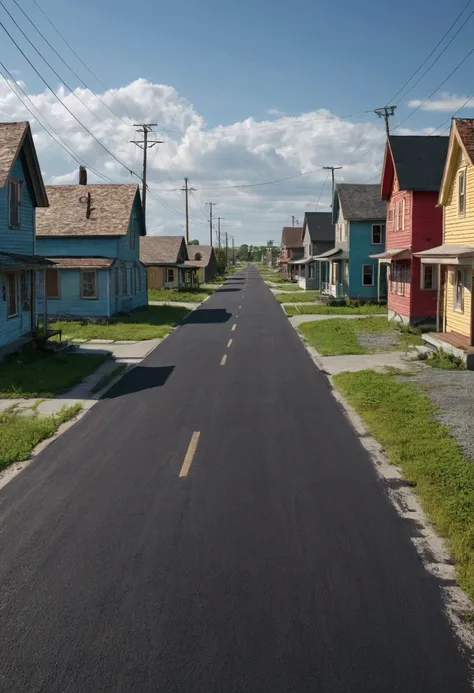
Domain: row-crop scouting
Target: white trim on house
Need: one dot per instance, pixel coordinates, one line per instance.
(96, 288)
(373, 274)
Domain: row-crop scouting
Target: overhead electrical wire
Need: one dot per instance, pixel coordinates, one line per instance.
(322, 189)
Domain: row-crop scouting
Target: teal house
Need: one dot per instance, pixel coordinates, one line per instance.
(21, 192)
(348, 270)
(92, 233)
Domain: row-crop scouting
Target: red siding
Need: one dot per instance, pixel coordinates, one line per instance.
(427, 221)
(399, 239)
(399, 304)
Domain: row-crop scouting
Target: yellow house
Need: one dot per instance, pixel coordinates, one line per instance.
(455, 257)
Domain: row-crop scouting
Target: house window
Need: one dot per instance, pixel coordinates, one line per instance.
(390, 215)
(428, 277)
(133, 280)
(52, 283)
(367, 275)
(117, 282)
(169, 275)
(12, 295)
(399, 277)
(25, 296)
(378, 233)
(14, 202)
(88, 284)
(396, 215)
(401, 215)
(459, 290)
(462, 192)
(124, 280)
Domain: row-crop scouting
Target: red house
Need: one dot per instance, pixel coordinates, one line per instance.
(291, 249)
(411, 178)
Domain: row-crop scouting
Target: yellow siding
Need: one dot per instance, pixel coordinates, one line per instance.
(456, 321)
(460, 229)
(200, 274)
(155, 277)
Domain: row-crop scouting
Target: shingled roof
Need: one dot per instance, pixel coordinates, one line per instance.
(110, 210)
(320, 226)
(205, 251)
(465, 129)
(16, 138)
(162, 250)
(419, 160)
(360, 202)
(292, 236)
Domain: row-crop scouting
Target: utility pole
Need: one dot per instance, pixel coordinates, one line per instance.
(187, 190)
(386, 112)
(219, 219)
(293, 217)
(332, 169)
(211, 205)
(226, 246)
(145, 144)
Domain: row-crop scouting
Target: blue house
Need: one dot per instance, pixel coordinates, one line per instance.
(92, 232)
(347, 270)
(21, 192)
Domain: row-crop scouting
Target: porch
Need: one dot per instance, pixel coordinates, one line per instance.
(452, 343)
(334, 273)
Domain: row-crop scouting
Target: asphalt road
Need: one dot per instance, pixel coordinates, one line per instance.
(277, 565)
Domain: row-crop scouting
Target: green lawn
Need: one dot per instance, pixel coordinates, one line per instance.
(150, 323)
(19, 435)
(304, 297)
(34, 373)
(289, 286)
(323, 309)
(338, 337)
(402, 420)
(173, 295)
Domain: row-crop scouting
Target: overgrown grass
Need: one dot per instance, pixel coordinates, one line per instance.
(289, 286)
(19, 435)
(305, 297)
(441, 359)
(402, 420)
(150, 323)
(324, 309)
(175, 295)
(106, 379)
(339, 337)
(33, 373)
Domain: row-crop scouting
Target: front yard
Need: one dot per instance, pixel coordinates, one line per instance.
(325, 309)
(19, 434)
(360, 336)
(177, 296)
(304, 297)
(33, 373)
(153, 322)
(404, 421)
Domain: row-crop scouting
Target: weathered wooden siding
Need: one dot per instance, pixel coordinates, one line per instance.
(399, 305)
(399, 239)
(20, 240)
(455, 320)
(74, 246)
(156, 277)
(360, 247)
(70, 304)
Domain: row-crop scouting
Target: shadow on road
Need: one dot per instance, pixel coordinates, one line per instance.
(222, 290)
(139, 379)
(207, 315)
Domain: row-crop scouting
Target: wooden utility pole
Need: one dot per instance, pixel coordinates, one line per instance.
(187, 190)
(211, 205)
(293, 217)
(386, 112)
(219, 219)
(145, 144)
(332, 169)
(226, 246)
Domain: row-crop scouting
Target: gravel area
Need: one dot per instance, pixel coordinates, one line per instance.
(453, 392)
(378, 340)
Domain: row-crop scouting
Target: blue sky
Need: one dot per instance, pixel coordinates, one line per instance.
(223, 62)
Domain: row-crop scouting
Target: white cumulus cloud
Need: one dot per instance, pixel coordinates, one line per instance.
(445, 102)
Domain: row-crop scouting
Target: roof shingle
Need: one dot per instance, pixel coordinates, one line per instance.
(161, 250)
(292, 236)
(11, 138)
(81, 262)
(419, 161)
(204, 250)
(361, 202)
(320, 226)
(465, 128)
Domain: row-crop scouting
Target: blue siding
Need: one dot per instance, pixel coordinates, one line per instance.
(78, 246)
(360, 247)
(20, 240)
(70, 303)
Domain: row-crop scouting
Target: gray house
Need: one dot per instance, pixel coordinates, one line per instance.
(318, 238)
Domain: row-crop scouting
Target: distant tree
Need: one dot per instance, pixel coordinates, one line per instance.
(243, 252)
(194, 242)
(221, 260)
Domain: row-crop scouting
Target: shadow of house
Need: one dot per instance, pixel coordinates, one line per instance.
(139, 379)
(203, 316)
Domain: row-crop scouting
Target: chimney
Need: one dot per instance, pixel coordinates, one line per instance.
(89, 208)
(82, 175)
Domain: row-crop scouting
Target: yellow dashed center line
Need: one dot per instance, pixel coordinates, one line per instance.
(230, 343)
(233, 327)
(190, 454)
(223, 360)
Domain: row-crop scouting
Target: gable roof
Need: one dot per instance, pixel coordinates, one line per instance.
(16, 139)
(292, 236)
(162, 250)
(359, 202)
(206, 252)
(319, 226)
(110, 210)
(417, 160)
(461, 137)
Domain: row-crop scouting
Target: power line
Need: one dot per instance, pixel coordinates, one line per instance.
(145, 144)
(322, 189)
(64, 105)
(67, 64)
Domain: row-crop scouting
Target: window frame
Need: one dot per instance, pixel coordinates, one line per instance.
(58, 281)
(14, 276)
(372, 266)
(14, 183)
(96, 285)
(458, 307)
(382, 234)
(168, 270)
(462, 174)
(423, 286)
(124, 280)
(395, 227)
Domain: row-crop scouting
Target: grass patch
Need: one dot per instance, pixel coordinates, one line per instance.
(304, 297)
(175, 295)
(19, 435)
(339, 337)
(153, 322)
(289, 286)
(106, 379)
(402, 420)
(324, 309)
(34, 373)
(441, 359)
